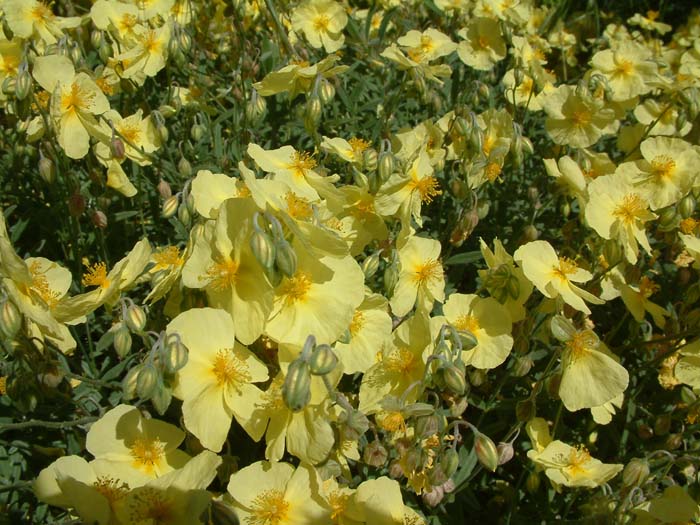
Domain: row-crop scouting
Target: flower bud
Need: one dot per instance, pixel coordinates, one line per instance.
(47, 169)
(467, 339)
(454, 379)
(523, 364)
(449, 462)
(296, 390)
(635, 473)
(129, 383)
(391, 277)
(662, 425)
(323, 360)
(122, 341)
(10, 319)
(426, 426)
(184, 41)
(117, 148)
(99, 219)
(326, 92)
(222, 514)
(255, 108)
(164, 189)
(23, 83)
(386, 165)
(76, 204)
(175, 354)
(369, 159)
(285, 258)
(197, 131)
(673, 442)
(687, 205)
(375, 455)
(161, 397)
(668, 219)
(486, 451)
(513, 287)
(147, 381)
(530, 233)
(505, 452)
(263, 248)
(170, 206)
(135, 318)
(355, 424)
(312, 115)
(183, 214)
(184, 168)
(370, 265)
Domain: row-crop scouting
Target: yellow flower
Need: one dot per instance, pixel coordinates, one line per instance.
(298, 77)
(75, 102)
(483, 44)
(148, 54)
(421, 278)
(374, 502)
(426, 46)
(577, 120)
(216, 383)
(10, 59)
(488, 321)
(322, 22)
(319, 299)
(628, 69)
(617, 210)
(123, 18)
(674, 506)
(278, 494)
(591, 374)
(223, 263)
(35, 19)
(554, 276)
(132, 448)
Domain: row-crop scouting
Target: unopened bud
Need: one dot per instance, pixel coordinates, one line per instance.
(486, 451)
(635, 473)
(117, 148)
(668, 218)
(263, 248)
(370, 265)
(99, 219)
(255, 108)
(523, 364)
(530, 233)
(197, 131)
(129, 383)
(370, 159)
(312, 115)
(687, 205)
(161, 397)
(147, 381)
(391, 277)
(426, 426)
(454, 379)
(184, 215)
(467, 339)
(164, 189)
(326, 92)
(170, 206)
(135, 318)
(76, 204)
(175, 354)
(296, 390)
(386, 165)
(449, 462)
(23, 83)
(662, 425)
(47, 169)
(10, 319)
(355, 424)
(122, 341)
(184, 168)
(285, 258)
(323, 360)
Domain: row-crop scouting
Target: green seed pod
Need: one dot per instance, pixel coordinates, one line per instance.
(263, 248)
(386, 165)
(635, 473)
(122, 341)
(184, 168)
(135, 318)
(486, 451)
(129, 383)
(175, 354)
(296, 390)
(148, 380)
(370, 265)
(449, 462)
(285, 258)
(687, 205)
(10, 319)
(170, 206)
(323, 360)
(197, 131)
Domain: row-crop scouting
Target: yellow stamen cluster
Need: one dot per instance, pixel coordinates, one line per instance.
(300, 162)
(296, 288)
(76, 99)
(358, 146)
(321, 23)
(338, 502)
(96, 275)
(565, 268)
(151, 505)
(112, 489)
(166, 258)
(427, 271)
(663, 167)
(222, 275)
(581, 117)
(427, 187)
(40, 285)
(577, 458)
(647, 287)
(298, 207)
(401, 361)
(581, 343)
(229, 370)
(147, 453)
(358, 321)
(269, 508)
(467, 322)
(630, 209)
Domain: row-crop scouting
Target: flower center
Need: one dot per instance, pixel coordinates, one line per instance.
(222, 275)
(229, 370)
(40, 285)
(112, 489)
(427, 271)
(663, 167)
(300, 162)
(131, 131)
(96, 275)
(296, 288)
(467, 322)
(75, 99)
(338, 501)
(269, 508)
(358, 321)
(147, 453)
(321, 23)
(565, 268)
(581, 343)
(630, 209)
(151, 43)
(41, 13)
(577, 458)
(152, 506)
(647, 287)
(358, 146)
(392, 421)
(166, 258)
(401, 361)
(427, 187)
(624, 68)
(127, 22)
(581, 117)
(298, 207)
(492, 171)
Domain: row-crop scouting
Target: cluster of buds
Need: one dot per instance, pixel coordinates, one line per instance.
(153, 377)
(317, 360)
(271, 248)
(450, 371)
(182, 204)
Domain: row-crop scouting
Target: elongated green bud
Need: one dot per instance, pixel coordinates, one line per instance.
(147, 381)
(285, 258)
(323, 360)
(386, 165)
(296, 390)
(263, 248)
(454, 379)
(636, 472)
(23, 82)
(122, 341)
(175, 354)
(369, 159)
(370, 265)
(47, 169)
(10, 319)
(135, 318)
(687, 205)
(129, 383)
(486, 451)
(161, 397)
(449, 462)
(326, 91)
(170, 206)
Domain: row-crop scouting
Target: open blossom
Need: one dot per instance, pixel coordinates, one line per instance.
(421, 278)
(555, 276)
(322, 23)
(28, 18)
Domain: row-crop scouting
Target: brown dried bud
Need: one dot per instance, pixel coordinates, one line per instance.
(375, 454)
(99, 219)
